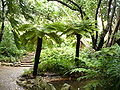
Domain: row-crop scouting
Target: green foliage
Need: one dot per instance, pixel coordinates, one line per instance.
(27, 72)
(56, 60)
(31, 32)
(79, 27)
(8, 50)
(103, 68)
(117, 35)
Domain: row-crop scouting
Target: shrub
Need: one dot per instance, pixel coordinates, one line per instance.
(8, 50)
(56, 60)
(103, 68)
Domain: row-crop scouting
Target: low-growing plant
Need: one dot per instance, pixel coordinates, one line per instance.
(57, 60)
(103, 68)
(27, 72)
(8, 49)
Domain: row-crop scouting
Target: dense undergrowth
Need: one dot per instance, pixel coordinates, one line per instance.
(8, 49)
(57, 60)
(102, 68)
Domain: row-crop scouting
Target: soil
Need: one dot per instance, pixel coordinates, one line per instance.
(8, 77)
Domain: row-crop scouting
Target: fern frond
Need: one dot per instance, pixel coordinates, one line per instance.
(55, 37)
(16, 38)
(79, 70)
(57, 26)
(92, 85)
(25, 27)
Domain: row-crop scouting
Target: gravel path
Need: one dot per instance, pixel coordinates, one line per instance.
(8, 76)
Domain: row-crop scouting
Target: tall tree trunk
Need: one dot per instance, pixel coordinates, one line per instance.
(93, 42)
(110, 24)
(112, 40)
(96, 24)
(102, 37)
(77, 49)
(37, 56)
(3, 20)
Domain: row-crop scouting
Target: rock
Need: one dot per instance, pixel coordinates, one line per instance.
(21, 83)
(16, 64)
(39, 84)
(18, 82)
(51, 87)
(29, 86)
(7, 64)
(24, 82)
(35, 84)
(22, 79)
(30, 81)
(66, 87)
(11, 64)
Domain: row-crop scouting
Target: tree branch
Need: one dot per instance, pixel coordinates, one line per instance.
(80, 9)
(110, 23)
(74, 9)
(103, 26)
(98, 6)
(109, 8)
(101, 42)
(116, 28)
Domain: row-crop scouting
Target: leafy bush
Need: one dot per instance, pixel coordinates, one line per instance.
(103, 68)
(27, 73)
(8, 50)
(57, 60)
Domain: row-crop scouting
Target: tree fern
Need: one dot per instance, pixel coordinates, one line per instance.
(31, 32)
(82, 27)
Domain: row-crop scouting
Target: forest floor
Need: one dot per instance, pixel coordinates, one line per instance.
(8, 77)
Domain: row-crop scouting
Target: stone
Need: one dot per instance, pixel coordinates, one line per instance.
(7, 64)
(40, 84)
(66, 87)
(35, 84)
(22, 79)
(16, 64)
(51, 87)
(30, 81)
(29, 85)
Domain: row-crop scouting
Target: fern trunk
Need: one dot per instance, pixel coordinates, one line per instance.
(37, 56)
(77, 49)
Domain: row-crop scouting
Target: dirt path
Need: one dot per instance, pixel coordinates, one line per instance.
(8, 76)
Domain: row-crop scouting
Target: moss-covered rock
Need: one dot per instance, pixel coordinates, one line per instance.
(66, 87)
(35, 84)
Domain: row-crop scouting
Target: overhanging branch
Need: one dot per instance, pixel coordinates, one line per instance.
(80, 9)
(74, 9)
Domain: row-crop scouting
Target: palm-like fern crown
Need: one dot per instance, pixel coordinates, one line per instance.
(50, 31)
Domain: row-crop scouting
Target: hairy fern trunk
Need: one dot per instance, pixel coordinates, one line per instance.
(77, 49)
(37, 56)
